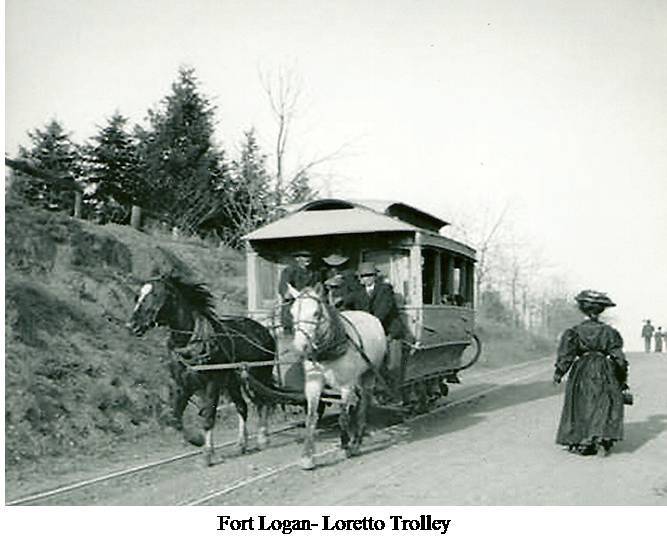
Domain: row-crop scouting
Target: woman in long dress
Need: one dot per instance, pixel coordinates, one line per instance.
(592, 352)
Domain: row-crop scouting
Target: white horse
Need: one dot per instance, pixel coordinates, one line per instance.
(342, 350)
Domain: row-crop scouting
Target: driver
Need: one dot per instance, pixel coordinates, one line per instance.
(299, 275)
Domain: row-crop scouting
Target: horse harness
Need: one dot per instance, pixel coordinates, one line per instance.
(338, 346)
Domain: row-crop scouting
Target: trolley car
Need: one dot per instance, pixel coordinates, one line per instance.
(432, 277)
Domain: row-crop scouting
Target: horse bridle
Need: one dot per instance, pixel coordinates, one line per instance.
(313, 347)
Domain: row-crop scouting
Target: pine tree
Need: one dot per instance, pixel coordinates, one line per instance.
(299, 188)
(249, 199)
(113, 172)
(54, 154)
(181, 166)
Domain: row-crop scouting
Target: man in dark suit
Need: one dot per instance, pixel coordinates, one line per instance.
(647, 334)
(344, 290)
(382, 304)
(299, 275)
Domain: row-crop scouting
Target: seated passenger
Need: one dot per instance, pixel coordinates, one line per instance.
(343, 288)
(382, 304)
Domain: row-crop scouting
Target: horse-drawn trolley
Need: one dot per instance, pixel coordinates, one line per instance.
(432, 278)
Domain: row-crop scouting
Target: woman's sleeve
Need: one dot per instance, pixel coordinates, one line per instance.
(567, 352)
(617, 355)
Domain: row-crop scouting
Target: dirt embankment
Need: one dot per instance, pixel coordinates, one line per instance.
(75, 378)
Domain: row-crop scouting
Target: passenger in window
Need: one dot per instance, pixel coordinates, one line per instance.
(454, 300)
(343, 288)
(299, 274)
(382, 304)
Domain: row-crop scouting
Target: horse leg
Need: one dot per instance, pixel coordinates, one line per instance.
(263, 432)
(314, 383)
(180, 401)
(179, 395)
(242, 411)
(208, 412)
(347, 398)
(181, 392)
(360, 419)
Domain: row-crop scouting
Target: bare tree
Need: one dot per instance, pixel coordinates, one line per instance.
(284, 91)
(484, 230)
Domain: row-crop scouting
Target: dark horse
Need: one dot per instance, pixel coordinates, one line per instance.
(199, 336)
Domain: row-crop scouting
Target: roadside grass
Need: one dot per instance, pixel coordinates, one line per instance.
(504, 345)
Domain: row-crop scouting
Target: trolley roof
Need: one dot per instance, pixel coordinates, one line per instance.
(333, 216)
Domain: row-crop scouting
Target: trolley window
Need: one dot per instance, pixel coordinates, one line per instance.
(431, 276)
(456, 280)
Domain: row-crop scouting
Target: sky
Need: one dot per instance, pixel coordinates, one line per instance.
(556, 110)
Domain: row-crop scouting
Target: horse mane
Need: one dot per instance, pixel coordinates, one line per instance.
(197, 295)
(335, 339)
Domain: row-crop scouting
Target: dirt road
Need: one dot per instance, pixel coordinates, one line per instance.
(493, 449)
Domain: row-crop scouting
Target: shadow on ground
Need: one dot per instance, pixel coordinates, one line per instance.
(509, 395)
(639, 433)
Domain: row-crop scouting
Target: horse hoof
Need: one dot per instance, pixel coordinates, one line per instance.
(307, 463)
(241, 448)
(208, 458)
(196, 439)
(262, 441)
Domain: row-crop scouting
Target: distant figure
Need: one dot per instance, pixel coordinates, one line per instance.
(647, 334)
(299, 275)
(592, 417)
(343, 288)
(659, 335)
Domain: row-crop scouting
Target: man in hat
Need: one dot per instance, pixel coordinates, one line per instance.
(299, 275)
(647, 334)
(344, 290)
(382, 304)
(659, 336)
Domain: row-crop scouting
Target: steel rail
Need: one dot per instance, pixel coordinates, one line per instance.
(126, 472)
(276, 470)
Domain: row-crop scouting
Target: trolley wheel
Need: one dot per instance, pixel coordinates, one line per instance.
(444, 388)
(423, 401)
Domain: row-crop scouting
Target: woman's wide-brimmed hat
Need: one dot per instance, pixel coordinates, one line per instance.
(335, 259)
(595, 297)
(367, 269)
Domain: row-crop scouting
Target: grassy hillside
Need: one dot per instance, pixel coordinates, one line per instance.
(76, 380)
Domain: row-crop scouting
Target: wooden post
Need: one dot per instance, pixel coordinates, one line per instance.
(450, 274)
(135, 217)
(251, 272)
(78, 201)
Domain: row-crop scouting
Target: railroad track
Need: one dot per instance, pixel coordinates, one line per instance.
(329, 449)
(74, 486)
(325, 448)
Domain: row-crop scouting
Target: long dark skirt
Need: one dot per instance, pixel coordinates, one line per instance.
(593, 407)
